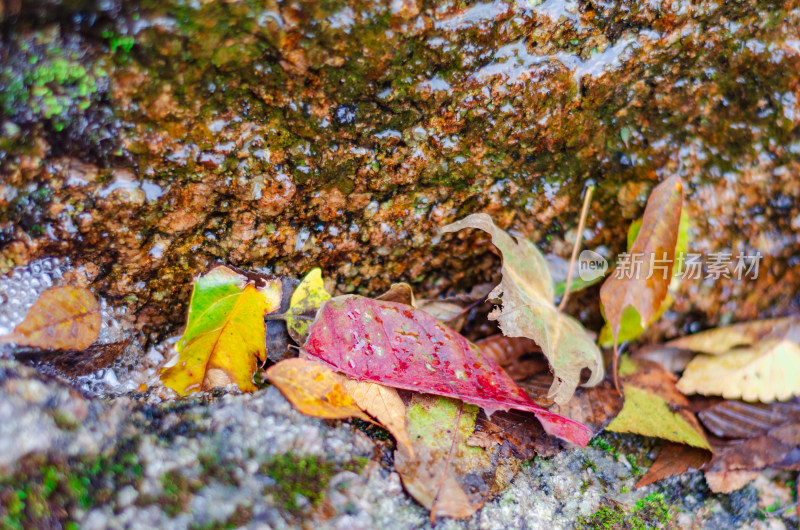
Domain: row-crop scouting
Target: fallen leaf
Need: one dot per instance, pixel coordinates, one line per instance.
(306, 300)
(277, 341)
(520, 357)
(314, 389)
(402, 293)
(766, 372)
(403, 347)
(62, 318)
(528, 310)
(73, 363)
(450, 314)
(639, 298)
(739, 419)
(672, 359)
(446, 475)
(594, 407)
(729, 481)
(506, 350)
(224, 334)
(724, 339)
(654, 407)
(675, 459)
(780, 447)
(384, 404)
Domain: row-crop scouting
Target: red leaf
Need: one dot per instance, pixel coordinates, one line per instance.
(396, 345)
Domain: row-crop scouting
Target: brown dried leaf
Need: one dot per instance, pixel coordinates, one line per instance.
(675, 459)
(739, 419)
(595, 407)
(729, 481)
(63, 318)
(644, 292)
(506, 350)
(528, 310)
(401, 293)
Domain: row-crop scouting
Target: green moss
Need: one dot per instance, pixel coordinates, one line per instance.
(650, 512)
(303, 476)
(177, 491)
(42, 492)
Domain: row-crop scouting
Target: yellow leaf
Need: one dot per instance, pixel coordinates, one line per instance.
(306, 299)
(314, 389)
(63, 318)
(224, 334)
(766, 372)
(528, 310)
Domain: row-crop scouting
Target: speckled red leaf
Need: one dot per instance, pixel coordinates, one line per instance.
(396, 345)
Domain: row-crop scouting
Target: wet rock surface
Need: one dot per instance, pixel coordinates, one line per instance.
(149, 140)
(224, 460)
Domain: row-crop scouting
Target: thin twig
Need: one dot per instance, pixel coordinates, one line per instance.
(587, 200)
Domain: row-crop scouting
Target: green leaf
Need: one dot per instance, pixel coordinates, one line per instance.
(224, 333)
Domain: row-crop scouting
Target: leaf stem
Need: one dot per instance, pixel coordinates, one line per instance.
(587, 200)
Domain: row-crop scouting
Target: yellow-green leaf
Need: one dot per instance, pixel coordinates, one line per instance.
(528, 310)
(224, 335)
(654, 407)
(306, 299)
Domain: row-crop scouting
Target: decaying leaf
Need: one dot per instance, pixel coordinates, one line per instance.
(654, 407)
(224, 334)
(402, 293)
(403, 347)
(729, 481)
(594, 407)
(448, 313)
(520, 357)
(314, 389)
(74, 363)
(528, 310)
(675, 459)
(739, 419)
(638, 293)
(446, 475)
(305, 301)
(722, 340)
(766, 372)
(63, 318)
